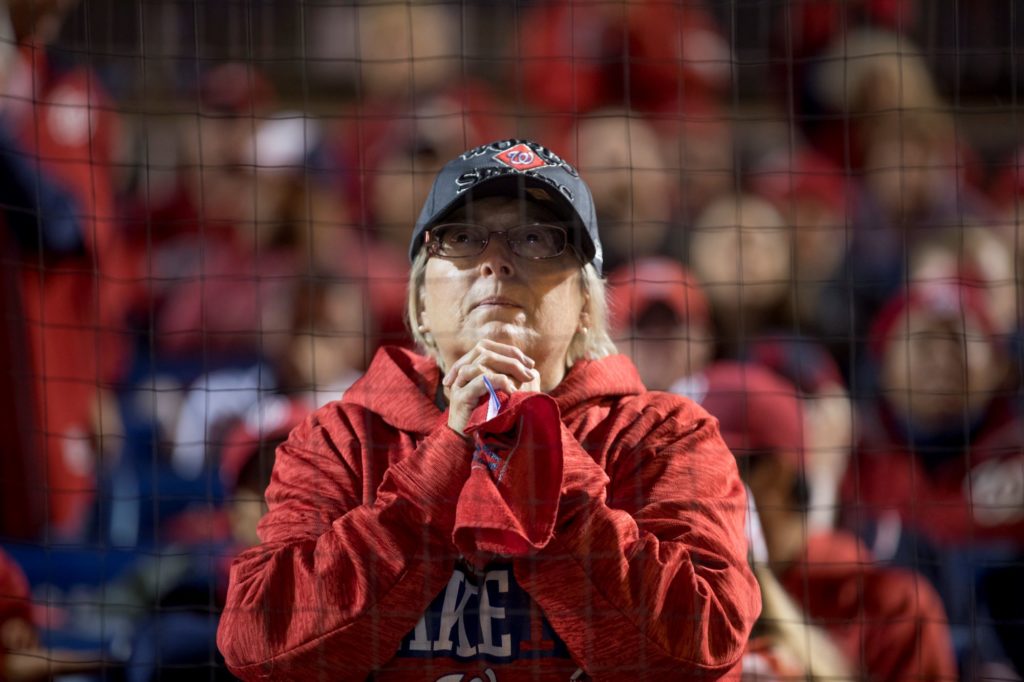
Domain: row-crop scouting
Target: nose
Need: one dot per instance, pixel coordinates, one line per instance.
(497, 259)
(942, 358)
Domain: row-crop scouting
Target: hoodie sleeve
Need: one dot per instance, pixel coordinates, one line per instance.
(641, 566)
(336, 583)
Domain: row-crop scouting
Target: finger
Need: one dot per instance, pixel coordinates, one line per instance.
(507, 349)
(475, 389)
(504, 364)
(492, 349)
(453, 371)
(494, 366)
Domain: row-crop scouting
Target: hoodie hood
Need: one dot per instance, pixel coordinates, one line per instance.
(587, 381)
(401, 387)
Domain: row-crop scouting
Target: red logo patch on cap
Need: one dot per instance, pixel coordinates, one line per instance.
(521, 158)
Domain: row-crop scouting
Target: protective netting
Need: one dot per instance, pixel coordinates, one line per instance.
(809, 216)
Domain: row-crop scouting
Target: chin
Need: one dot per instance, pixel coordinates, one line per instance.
(504, 332)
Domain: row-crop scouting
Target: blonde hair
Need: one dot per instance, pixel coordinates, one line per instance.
(590, 344)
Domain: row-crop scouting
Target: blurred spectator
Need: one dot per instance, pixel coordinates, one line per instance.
(314, 359)
(889, 622)
(248, 459)
(181, 591)
(389, 150)
(914, 170)
(660, 319)
(828, 418)
(22, 657)
(939, 454)
(739, 249)
(783, 644)
(913, 184)
(817, 202)
(866, 77)
(621, 157)
(889, 120)
(57, 136)
(415, 107)
(220, 164)
(394, 148)
(405, 49)
(705, 153)
(940, 371)
(574, 56)
(246, 220)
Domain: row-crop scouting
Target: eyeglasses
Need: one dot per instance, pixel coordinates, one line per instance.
(535, 241)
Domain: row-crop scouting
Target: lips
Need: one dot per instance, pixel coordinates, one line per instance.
(497, 301)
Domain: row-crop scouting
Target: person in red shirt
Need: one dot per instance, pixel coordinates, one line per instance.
(938, 467)
(888, 622)
(57, 134)
(512, 504)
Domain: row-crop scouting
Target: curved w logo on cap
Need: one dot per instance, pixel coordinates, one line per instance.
(521, 158)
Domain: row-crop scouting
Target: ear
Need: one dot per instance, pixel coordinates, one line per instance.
(584, 326)
(423, 323)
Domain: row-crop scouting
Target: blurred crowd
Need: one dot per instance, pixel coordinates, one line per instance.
(842, 290)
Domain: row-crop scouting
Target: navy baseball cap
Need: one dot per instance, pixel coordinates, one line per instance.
(514, 168)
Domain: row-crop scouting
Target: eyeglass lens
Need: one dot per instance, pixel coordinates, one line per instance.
(527, 241)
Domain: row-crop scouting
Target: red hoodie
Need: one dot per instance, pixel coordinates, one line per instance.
(599, 527)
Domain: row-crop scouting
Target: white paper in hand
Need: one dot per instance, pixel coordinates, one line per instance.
(493, 404)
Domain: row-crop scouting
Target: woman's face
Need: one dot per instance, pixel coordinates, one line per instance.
(535, 305)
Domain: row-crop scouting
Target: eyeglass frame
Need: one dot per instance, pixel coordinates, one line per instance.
(433, 244)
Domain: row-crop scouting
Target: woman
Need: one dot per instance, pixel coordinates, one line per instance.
(573, 525)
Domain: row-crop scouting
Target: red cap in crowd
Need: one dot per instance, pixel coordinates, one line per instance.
(271, 420)
(953, 301)
(634, 287)
(758, 411)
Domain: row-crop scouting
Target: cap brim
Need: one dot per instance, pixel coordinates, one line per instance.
(533, 188)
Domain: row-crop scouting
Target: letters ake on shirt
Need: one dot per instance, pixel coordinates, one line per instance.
(483, 616)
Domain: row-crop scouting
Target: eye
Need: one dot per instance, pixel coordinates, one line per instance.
(458, 237)
(458, 240)
(539, 239)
